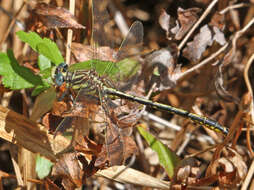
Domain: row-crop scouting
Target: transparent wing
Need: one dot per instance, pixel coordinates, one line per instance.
(64, 124)
(101, 29)
(130, 48)
(133, 42)
(100, 23)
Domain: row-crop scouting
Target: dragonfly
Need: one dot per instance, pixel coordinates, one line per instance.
(89, 78)
(77, 84)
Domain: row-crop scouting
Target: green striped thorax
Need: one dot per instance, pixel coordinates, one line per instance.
(115, 71)
(107, 68)
(62, 74)
(82, 75)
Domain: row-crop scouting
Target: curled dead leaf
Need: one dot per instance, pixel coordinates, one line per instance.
(220, 90)
(117, 148)
(88, 147)
(218, 20)
(50, 17)
(73, 169)
(51, 121)
(231, 170)
(187, 173)
(162, 61)
(70, 170)
(195, 49)
(164, 21)
(201, 41)
(113, 149)
(186, 18)
(125, 121)
(60, 107)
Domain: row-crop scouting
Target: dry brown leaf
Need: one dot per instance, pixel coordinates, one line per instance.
(230, 170)
(220, 90)
(53, 17)
(124, 174)
(201, 41)
(164, 61)
(112, 152)
(164, 21)
(218, 20)
(69, 169)
(186, 18)
(117, 148)
(187, 173)
(88, 147)
(195, 49)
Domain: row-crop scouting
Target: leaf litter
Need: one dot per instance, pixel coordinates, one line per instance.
(226, 170)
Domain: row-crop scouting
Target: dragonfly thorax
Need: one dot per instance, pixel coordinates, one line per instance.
(78, 79)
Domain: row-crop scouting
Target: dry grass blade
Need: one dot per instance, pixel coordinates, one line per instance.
(19, 130)
(128, 175)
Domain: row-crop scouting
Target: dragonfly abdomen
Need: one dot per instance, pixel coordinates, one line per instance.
(209, 123)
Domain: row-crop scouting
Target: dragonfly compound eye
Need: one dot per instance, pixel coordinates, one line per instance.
(59, 73)
(62, 67)
(59, 79)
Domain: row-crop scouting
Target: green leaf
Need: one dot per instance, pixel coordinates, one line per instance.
(31, 38)
(15, 76)
(168, 159)
(43, 63)
(43, 167)
(50, 50)
(46, 99)
(43, 46)
(39, 89)
(46, 74)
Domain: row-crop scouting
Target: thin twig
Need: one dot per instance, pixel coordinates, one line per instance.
(161, 121)
(16, 166)
(248, 84)
(186, 141)
(148, 96)
(70, 33)
(207, 11)
(248, 177)
(203, 63)
(11, 24)
(250, 89)
(201, 152)
(235, 6)
(18, 22)
(242, 31)
(237, 35)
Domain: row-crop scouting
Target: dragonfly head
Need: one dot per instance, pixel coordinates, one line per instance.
(59, 73)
